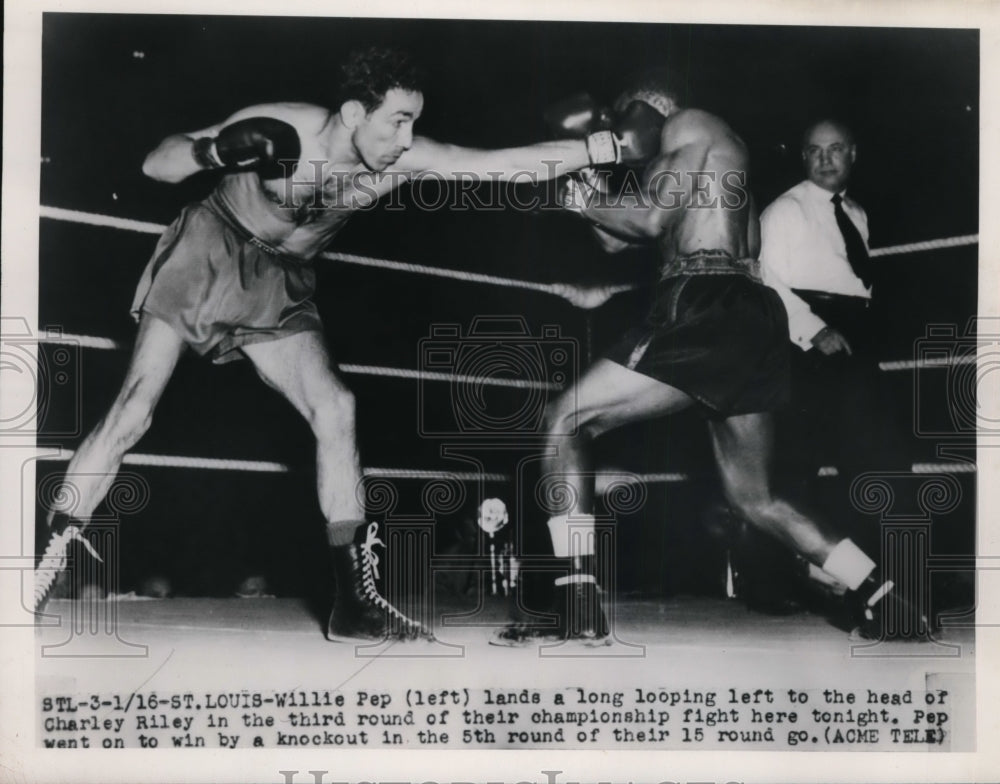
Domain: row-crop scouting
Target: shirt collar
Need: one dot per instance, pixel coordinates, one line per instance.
(821, 194)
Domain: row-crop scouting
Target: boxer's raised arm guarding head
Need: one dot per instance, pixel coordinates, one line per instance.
(698, 162)
(370, 122)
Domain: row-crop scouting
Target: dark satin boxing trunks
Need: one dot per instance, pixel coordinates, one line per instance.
(714, 332)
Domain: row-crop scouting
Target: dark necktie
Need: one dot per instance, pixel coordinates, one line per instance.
(857, 254)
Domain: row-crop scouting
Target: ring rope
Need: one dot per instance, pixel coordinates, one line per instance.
(944, 468)
(420, 473)
(263, 466)
(110, 221)
(913, 364)
(916, 247)
(96, 219)
(638, 479)
(432, 375)
(83, 341)
(558, 289)
(145, 227)
(91, 341)
(268, 467)
(423, 269)
(210, 463)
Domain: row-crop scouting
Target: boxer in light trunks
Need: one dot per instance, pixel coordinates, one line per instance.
(716, 339)
(232, 277)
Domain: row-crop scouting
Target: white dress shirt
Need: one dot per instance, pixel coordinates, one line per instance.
(802, 248)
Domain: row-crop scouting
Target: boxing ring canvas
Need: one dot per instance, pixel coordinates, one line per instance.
(189, 645)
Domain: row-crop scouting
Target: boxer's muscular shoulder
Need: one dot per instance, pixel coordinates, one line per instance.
(308, 119)
(289, 110)
(690, 126)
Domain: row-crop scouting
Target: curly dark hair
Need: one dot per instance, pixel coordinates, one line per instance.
(370, 73)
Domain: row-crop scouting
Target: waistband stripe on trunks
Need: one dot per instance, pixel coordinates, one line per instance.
(711, 262)
(217, 206)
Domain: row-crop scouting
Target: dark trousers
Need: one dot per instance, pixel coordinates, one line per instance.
(840, 413)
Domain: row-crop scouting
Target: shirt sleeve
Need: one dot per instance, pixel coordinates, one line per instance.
(776, 259)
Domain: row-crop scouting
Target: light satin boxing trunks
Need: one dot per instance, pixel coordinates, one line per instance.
(221, 288)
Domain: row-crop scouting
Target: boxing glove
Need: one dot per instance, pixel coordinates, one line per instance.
(257, 143)
(575, 117)
(634, 136)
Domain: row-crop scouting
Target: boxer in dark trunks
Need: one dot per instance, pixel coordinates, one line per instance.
(716, 338)
(233, 277)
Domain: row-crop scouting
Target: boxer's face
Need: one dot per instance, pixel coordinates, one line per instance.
(385, 133)
(829, 154)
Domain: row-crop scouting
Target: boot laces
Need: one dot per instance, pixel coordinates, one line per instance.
(370, 573)
(54, 560)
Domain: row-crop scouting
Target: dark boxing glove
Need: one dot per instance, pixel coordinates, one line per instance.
(257, 143)
(634, 136)
(576, 117)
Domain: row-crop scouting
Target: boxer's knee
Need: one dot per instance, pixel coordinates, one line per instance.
(560, 419)
(564, 419)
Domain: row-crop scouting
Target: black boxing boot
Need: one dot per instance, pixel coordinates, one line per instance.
(576, 603)
(63, 531)
(767, 576)
(360, 612)
(578, 598)
(880, 610)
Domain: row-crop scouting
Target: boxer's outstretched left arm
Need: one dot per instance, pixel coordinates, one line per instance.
(533, 163)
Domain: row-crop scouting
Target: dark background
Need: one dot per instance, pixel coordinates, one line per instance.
(113, 86)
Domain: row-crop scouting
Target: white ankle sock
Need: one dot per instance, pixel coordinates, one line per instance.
(573, 579)
(848, 563)
(572, 536)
